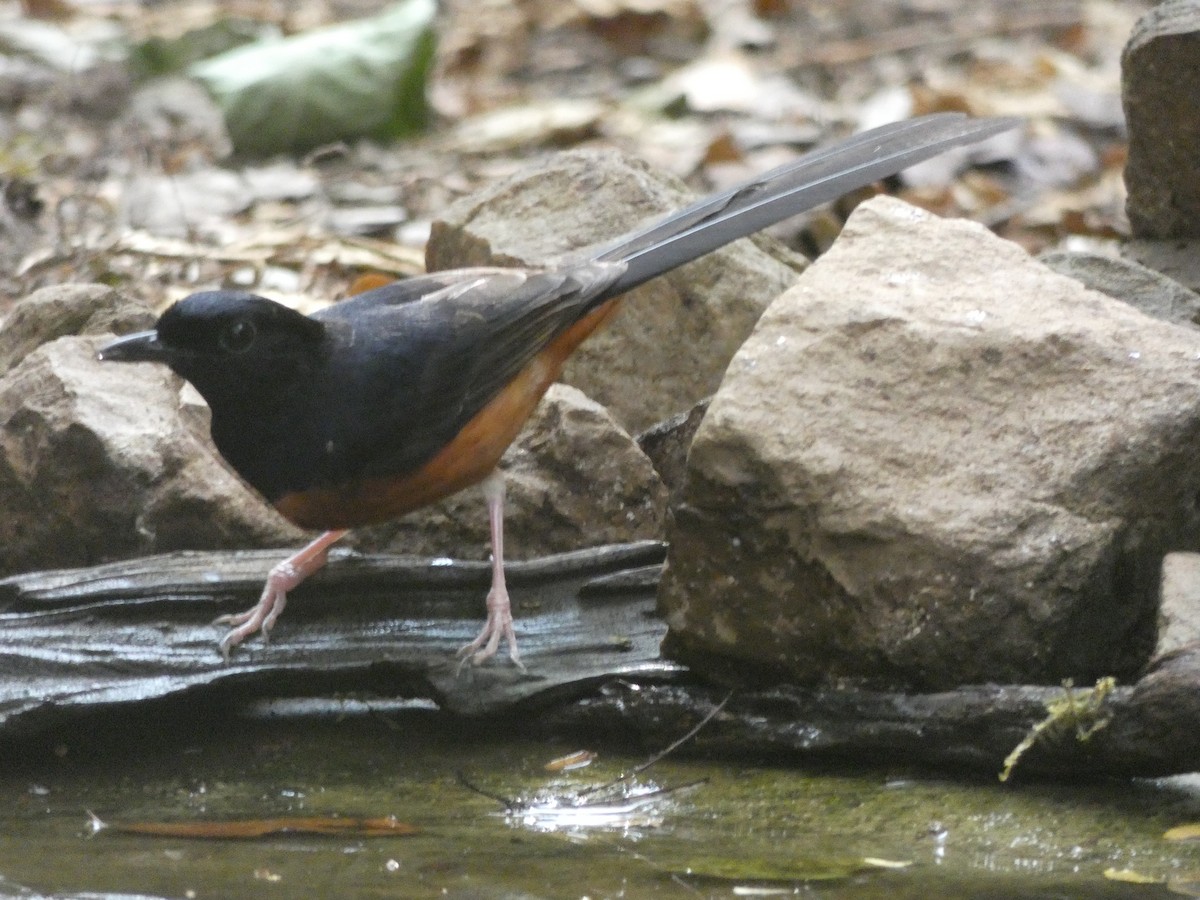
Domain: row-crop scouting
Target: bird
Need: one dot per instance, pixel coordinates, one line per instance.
(397, 397)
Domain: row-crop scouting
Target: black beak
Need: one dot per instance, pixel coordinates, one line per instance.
(143, 346)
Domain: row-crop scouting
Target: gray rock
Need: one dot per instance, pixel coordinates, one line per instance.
(1160, 79)
(574, 478)
(1176, 259)
(1122, 279)
(667, 445)
(66, 309)
(670, 344)
(1179, 613)
(937, 462)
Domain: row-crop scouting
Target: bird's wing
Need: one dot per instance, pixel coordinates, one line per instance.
(427, 364)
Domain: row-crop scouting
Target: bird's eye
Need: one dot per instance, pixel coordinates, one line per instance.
(237, 336)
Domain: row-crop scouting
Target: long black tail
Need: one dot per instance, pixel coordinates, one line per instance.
(815, 178)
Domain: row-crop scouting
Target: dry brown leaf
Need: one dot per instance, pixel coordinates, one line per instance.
(248, 829)
(571, 761)
(1190, 832)
(1128, 876)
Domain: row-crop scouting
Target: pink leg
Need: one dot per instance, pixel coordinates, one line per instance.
(499, 622)
(283, 577)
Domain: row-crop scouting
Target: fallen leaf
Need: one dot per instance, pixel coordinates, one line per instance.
(1128, 876)
(887, 863)
(246, 829)
(576, 760)
(348, 80)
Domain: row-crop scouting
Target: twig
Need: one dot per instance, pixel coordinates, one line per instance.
(507, 802)
(511, 805)
(670, 748)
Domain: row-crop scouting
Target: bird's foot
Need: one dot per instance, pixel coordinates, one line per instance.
(499, 626)
(263, 614)
(284, 577)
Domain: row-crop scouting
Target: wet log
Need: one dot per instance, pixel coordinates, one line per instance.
(1148, 729)
(143, 630)
(115, 638)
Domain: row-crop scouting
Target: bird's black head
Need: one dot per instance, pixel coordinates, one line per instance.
(231, 345)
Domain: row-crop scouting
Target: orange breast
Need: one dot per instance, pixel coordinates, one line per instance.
(466, 460)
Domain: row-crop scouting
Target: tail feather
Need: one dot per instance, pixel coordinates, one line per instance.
(815, 178)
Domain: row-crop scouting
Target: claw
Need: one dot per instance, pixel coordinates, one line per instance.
(499, 626)
(284, 577)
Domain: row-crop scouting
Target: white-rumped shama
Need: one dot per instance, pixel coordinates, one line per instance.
(403, 395)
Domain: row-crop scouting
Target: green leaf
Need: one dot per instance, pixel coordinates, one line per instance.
(354, 80)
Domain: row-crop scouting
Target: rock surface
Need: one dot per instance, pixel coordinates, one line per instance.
(1176, 259)
(1179, 612)
(936, 462)
(1152, 292)
(669, 346)
(667, 444)
(66, 309)
(1160, 79)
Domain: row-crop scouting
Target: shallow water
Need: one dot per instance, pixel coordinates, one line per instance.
(745, 830)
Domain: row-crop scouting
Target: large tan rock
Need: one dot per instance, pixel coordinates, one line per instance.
(670, 344)
(937, 462)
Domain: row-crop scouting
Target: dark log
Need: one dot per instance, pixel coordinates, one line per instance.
(142, 630)
(1149, 729)
(117, 637)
